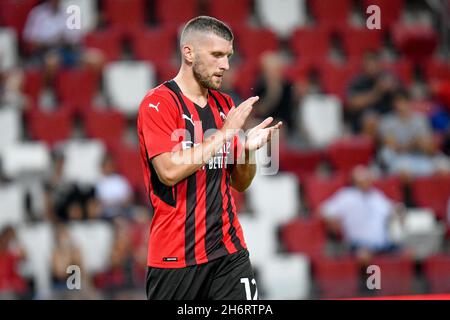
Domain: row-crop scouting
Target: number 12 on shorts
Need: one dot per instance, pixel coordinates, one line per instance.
(248, 292)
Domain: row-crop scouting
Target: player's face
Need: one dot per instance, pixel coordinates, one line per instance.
(212, 60)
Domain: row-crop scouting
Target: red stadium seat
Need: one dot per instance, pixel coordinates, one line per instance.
(337, 278)
(317, 189)
(391, 187)
(246, 77)
(128, 162)
(125, 14)
(416, 42)
(436, 69)
(391, 11)
(252, 42)
(346, 153)
(304, 236)
(356, 41)
(301, 163)
(331, 13)
(50, 127)
(14, 13)
(33, 84)
(300, 70)
(107, 41)
(310, 44)
(432, 192)
(165, 38)
(77, 87)
(166, 71)
(436, 270)
(232, 12)
(107, 126)
(175, 12)
(397, 274)
(336, 77)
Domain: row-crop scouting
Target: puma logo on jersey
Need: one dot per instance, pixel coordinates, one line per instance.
(187, 118)
(151, 105)
(222, 115)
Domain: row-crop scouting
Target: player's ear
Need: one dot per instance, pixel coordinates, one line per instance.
(188, 53)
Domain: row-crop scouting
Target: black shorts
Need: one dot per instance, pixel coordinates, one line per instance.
(227, 278)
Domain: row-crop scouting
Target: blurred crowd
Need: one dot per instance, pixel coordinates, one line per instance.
(388, 105)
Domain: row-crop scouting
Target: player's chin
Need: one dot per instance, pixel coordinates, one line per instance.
(216, 83)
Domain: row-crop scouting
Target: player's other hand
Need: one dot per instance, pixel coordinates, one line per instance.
(237, 116)
(261, 134)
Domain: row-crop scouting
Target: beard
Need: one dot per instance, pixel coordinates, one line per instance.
(205, 80)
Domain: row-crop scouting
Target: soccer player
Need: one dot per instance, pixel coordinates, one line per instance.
(189, 148)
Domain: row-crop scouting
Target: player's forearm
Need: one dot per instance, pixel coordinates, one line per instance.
(243, 173)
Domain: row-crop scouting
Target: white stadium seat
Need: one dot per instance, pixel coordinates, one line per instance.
(126, 84)
(26, 158)
(10, 127)
(285, 277)
(12, 205)
(8, 49)
(82, 162)
(281, 16)
(95, 239)
(321, 118)
(274, 198)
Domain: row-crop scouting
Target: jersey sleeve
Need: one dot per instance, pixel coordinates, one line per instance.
(159, 125)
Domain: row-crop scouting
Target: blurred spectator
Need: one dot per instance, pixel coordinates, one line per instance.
(65, 253)
(67, 201)
(370, 94)
(229, 79)
(52, 43)
(12, 284)
(113, 191)
(408, 144)
(276, 94)
(361, 213)
(11, 85)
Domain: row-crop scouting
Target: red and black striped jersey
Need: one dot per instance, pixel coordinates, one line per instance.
(194, 221)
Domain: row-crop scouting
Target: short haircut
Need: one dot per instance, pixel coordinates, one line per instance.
(207, 24)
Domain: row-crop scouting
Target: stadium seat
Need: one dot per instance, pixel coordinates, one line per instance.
(346, 153)
(432, 192)
(299, 162)
(8, 48)
(164, 37)
(50, 127)
(391, 11)
(108, 41)
(232, 12)
(166, 71)
(356, 41)
(335, 78)
(274, 198)
(260, 237)
(300, 70)
(13, 211)
(416, 42)
(14, 13)
(33, 84)
(397, 274)
(310, 44)
(436, 270)
(437, 69)
(286, 277)
(281, 17)
(253, 42)
(246, 77)
(125, 14)
(317, 189)
(106, 125)
(330, 13)
(128, 160)
(126, 83)
(38, 242)
(28, 158)
(95, 240)
(10, 127)
(82, 161)
(321, 118)
(175, 12)
(77, 88)
(305, 236)
(337, 277)
(391, 187)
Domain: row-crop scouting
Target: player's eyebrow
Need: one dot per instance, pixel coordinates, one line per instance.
(221, 53)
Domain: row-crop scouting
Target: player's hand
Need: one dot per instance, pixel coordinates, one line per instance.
(237, 116)
(261, 134)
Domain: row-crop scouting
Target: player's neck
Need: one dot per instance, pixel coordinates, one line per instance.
(191, 88)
